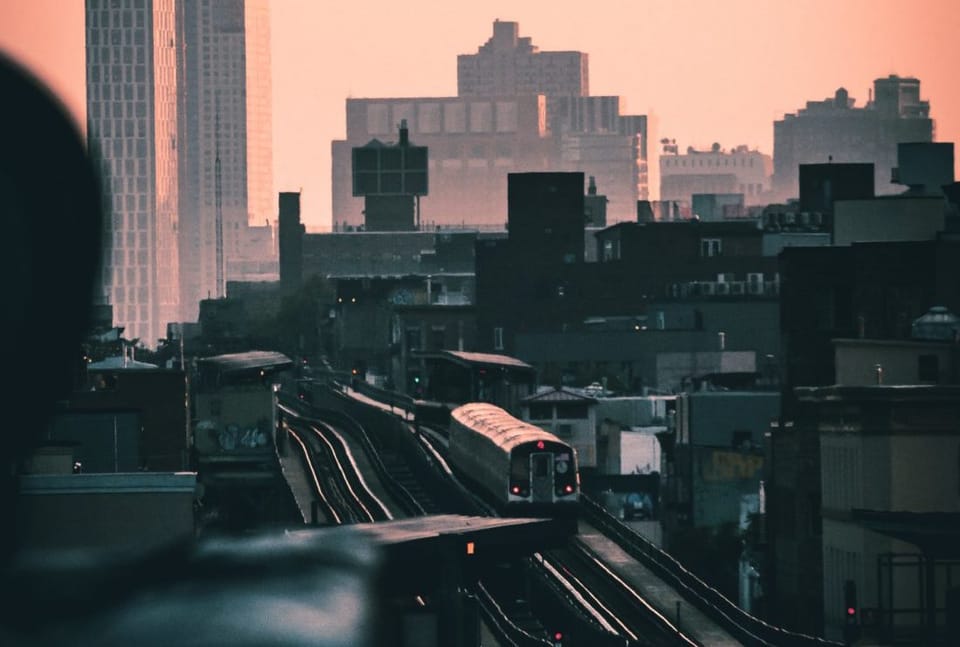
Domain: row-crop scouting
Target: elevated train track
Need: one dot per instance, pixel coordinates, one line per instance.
(519, 621)
(608, 606)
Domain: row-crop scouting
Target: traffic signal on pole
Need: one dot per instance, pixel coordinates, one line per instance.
(850, 601)
(557, 639)
(851, 613)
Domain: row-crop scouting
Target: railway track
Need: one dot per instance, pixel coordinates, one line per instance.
(340, 486)
(571, 587)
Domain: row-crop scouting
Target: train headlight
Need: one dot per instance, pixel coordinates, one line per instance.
(515, 489)
(568, 489)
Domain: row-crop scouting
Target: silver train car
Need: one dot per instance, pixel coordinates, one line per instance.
(521, 467)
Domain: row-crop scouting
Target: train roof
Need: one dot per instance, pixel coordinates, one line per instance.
(499, 426)
(479, 359)
(489, 358)
(249, 360)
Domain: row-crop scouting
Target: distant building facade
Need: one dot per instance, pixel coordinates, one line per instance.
(473, 144)
(887, 465)
(517, 110)
(226, 146)
(509, 65)
(131, 80)
(568, 414)
(739, 170)
(835, 130)
(866, 290)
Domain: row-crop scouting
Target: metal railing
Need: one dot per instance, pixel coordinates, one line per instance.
(743, 626)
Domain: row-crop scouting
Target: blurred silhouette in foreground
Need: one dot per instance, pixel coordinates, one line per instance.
(254, 591)
(49, 197)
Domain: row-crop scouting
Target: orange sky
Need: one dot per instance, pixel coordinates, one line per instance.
(708, 70)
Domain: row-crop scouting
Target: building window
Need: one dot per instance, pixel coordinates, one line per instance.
(608, 250)
(710, 247)
(928, 368)
(498, 338)
(575, 411)
(413, 338)
(540, 411)
(437, 337)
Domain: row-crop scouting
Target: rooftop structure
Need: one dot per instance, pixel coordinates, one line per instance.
(836, 130)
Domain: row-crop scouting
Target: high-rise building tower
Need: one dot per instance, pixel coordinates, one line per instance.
(132, 127)
(225, 126)
(507, 65)
(834, 130)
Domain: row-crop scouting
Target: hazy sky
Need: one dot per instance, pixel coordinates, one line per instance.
(708, 70)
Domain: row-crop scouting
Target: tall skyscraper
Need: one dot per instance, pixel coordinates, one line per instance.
(132, 126)
(226, 173)
(835, 130)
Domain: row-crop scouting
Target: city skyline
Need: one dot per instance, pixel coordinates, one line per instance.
(705, 72)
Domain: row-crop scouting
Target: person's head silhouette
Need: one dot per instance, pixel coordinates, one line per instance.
(49, 260)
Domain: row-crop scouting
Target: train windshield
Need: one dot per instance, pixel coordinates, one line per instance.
(519, 468)
(541, 465)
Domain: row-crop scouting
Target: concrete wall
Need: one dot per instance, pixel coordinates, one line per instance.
(710, 418)
(634, 452)
(856, 361)
(887, 219)
(635, 411)
(923, 472)
(137, 511)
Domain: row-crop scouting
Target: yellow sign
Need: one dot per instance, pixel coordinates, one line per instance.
(731, 466)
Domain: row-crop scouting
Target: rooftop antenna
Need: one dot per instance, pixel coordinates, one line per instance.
(219, 203)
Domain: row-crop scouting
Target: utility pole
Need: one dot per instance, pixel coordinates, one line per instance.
(220, 292)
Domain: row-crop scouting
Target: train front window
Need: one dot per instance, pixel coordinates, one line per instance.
(520, 468)
(541, 465)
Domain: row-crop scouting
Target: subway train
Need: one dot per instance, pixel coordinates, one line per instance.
(522, 469)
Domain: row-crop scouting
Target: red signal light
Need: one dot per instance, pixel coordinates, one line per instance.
(558, 636)
(540, 444)
(851, 611)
